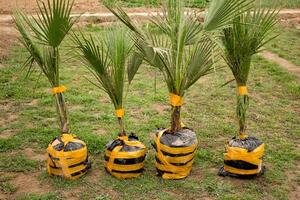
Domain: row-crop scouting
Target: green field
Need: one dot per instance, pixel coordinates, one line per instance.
(29, 113)
(203, 3)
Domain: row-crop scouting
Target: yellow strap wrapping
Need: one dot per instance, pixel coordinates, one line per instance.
(120, 112)
(178, 171)
(125, 168)
(179, 150)
(112, 156)
(127, 155)
(243, 136)
(242, 171)
(59, 89)
(116, 154)
(176, 100)
(236, 153)
(66, 159)
(242, 90)
(181, 159)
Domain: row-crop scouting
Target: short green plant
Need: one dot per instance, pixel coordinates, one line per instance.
(249, 33)
(42, 36)
(184, 52)
(114, 63)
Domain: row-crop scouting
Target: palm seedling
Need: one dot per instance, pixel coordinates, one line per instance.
(248, 34)
(114, 63)
(42, 36)
(183, 54)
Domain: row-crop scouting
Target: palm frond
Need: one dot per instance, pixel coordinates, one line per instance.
(110, 59)
(221, 12)
(249, 33)
(54, 21)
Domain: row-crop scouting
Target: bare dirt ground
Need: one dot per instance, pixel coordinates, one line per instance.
(282, 62)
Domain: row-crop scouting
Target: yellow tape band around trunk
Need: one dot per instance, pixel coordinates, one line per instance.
(59, 89)
(120, 112)
(242, 90)
(243, 136)
(176, 100)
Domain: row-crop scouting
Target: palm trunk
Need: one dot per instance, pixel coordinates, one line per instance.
(176, 122)
(62, 113)
(241, 111)
(121, 125)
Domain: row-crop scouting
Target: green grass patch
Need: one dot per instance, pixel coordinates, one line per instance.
(7, 188)
(17, 163)
(48, 196)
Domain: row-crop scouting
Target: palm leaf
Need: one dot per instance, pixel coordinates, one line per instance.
(249, 33)
(221, 12)
(110, 59)
(54, 21)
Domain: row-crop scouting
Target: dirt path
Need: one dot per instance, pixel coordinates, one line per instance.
(282, 62)
(137, 12)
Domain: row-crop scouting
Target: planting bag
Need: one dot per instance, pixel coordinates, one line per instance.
(67, 157)
(243, 158)
(124, 157)
(175, 153)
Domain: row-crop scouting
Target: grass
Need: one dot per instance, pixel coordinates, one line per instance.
(287, 45)
(204, 3)
(210, 109)
(48, 196)
(7, 188)
(17, 163)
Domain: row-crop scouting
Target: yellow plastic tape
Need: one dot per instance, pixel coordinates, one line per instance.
(120, 112)
(243, 136)
(181, 150)
(237, 153)
(254, 157)
(117, 154)
(176, 100)
(112, 156)
(59, 163)
(242, 171)
(125, 168)
(126, 155)
(178, 172)
(59, 89)
(181, 159)
(242, 90)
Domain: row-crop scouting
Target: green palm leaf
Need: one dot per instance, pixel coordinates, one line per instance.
(54, 21)
(221, 12)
